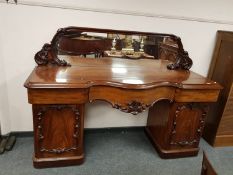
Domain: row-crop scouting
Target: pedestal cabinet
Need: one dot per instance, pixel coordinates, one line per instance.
(58, 132)
(176, 127)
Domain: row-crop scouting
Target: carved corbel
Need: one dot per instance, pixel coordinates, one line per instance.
(46, 55)
(182, 61)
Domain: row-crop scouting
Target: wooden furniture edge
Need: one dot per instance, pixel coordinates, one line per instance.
(196, 95)
(59, 162)
(63, 96)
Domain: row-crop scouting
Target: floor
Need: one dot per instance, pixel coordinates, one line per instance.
(119, 152)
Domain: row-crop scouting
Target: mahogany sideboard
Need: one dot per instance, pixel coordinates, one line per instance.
(125, 71)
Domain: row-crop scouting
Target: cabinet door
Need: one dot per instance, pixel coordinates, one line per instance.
(187, 124)
(57, 130)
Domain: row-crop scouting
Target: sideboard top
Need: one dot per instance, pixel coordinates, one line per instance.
(117, 72)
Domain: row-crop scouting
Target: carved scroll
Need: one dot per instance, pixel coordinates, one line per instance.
(49, 52)
(183, 61)
(58, 150)
(46, 55)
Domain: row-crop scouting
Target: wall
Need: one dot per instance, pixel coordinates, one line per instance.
(4, 107)
(198, 10)
(24, 29)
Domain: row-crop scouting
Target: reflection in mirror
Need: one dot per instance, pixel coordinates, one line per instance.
(134, 46)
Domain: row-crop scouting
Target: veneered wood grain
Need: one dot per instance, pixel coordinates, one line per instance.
(116, 72)
(158, 121)
(58, 133)
(57, 96)
(125, 96)
(175, 128)
(199, 95)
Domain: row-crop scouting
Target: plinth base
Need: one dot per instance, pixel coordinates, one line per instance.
(171, 153)
(57, 162)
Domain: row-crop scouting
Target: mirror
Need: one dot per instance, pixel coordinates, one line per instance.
(131, 46)
(97, 43)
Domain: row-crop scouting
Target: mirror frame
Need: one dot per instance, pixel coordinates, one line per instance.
(49, 52)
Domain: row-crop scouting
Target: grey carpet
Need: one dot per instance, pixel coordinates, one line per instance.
(117, 153)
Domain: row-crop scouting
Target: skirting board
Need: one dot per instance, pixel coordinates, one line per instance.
(86, 130)
(223, 140)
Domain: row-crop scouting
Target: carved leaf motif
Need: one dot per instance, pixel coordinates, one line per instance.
(183, 61)
(133, 107)
(48, 53)
(42, 57)
(58, 150)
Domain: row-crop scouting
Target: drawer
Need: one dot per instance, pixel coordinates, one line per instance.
(131, 100)
(197, 95)
(57, 96)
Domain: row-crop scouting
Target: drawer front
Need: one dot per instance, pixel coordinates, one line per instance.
(57, 96)
(131, 100)
(198, 95)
